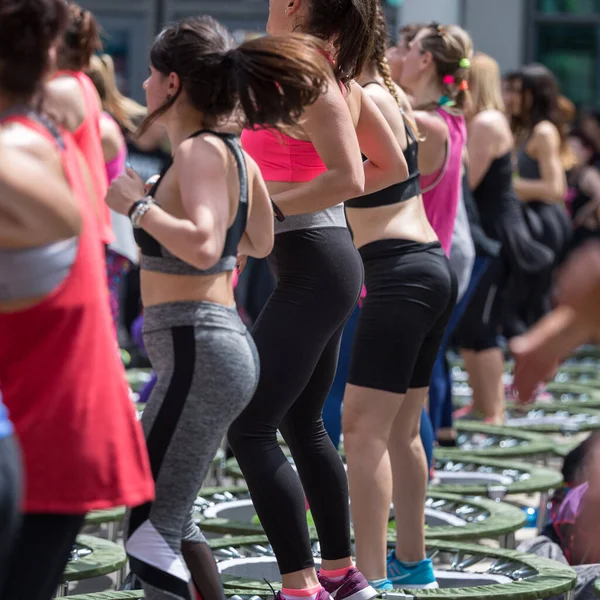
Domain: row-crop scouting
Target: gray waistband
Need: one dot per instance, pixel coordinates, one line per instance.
(174, 266)
(35, 272)
(330, 217)
(196, 314)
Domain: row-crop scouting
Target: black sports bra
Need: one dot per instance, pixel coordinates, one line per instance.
(157, 258)
(399, 192)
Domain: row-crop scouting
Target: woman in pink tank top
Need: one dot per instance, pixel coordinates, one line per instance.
(435, 71)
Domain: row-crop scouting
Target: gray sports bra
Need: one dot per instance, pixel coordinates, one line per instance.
(34, 272)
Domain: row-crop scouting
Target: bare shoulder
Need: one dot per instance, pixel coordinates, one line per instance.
(432, 125)
(64, 101)
(203, 153)
(545, 132)
(19, 138)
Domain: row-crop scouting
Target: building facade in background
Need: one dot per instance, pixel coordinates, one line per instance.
(562, 34)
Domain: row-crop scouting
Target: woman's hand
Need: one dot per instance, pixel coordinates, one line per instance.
(241, 262)
(125, 191)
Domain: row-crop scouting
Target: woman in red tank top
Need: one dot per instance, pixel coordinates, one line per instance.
(60, 378)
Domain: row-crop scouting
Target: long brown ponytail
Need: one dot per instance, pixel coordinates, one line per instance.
(272, 79)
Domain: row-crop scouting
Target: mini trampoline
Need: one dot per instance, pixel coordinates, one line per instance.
(229, 511)
(494, 441)
(464, 571)
(110, 517)
(550, 418)
(92, 557)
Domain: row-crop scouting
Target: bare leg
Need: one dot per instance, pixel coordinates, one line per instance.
(485, 376)
(367, 422)
(410, 475)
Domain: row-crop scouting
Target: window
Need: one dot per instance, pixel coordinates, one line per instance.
(566, 38)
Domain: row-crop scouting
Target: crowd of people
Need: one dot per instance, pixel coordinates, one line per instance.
(405, 198)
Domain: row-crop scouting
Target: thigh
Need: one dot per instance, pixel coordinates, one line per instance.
(43, 547)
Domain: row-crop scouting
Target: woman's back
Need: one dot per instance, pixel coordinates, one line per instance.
(441, 190)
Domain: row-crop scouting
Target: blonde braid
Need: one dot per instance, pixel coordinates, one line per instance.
(379, 48)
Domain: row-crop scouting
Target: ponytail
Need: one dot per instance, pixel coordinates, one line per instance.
(276, 78)
(271, 79)
(81, 40)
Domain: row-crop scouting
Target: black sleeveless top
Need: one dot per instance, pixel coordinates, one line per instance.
(399, 192)
(156, 257)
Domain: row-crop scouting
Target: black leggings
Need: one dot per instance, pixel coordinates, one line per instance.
(41, 552)
(10, 496)
(319, 277)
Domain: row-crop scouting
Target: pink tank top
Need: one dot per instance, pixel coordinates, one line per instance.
(116, 166)
(441, 190)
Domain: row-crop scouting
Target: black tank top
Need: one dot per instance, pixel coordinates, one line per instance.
(156, 257)
(399, 192)
(495, 197)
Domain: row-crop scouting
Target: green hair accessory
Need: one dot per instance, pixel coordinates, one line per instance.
(464, 63)
(445, 101)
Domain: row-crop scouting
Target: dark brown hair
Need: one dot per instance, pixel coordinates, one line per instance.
(29, 28)
(349, 26)
(81, 39)
(272, 79)
(541, 86)
(448, 45)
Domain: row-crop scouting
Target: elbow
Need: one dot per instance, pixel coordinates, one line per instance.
(354, 183)
(261, 248)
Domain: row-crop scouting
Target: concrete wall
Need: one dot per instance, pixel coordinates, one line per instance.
(442, 11)
(498, 29)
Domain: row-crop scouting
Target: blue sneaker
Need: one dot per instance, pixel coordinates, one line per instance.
(382, 585)
(420, 576)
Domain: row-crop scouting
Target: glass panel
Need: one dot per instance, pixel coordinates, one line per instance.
(574, 7)
(570, 52)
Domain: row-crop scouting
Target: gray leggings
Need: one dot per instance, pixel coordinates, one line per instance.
(207, 371)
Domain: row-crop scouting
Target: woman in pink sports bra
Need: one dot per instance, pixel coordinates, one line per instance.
(310, 172)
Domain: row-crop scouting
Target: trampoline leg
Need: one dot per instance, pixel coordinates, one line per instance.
(542, 511)
(63, 590)
(508, 541)
(112, 531)
(570, 595)
(121, 576)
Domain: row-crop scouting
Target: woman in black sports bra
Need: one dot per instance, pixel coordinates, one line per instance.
(401, 324)
(208, 203)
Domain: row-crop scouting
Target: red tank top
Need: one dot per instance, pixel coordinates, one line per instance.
(65, 388)
(89, 140)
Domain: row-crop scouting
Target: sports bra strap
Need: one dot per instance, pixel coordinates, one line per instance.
(441, 174)
(229, 139)
(41, 123)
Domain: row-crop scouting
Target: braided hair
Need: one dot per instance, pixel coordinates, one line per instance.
(379, 48)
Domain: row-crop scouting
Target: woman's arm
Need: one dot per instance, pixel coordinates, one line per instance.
(259, 236)
(36, 203)
(481, 148)
(386, 164)
(552, 184)
(589, 215)
(200, 167)
(328, 125)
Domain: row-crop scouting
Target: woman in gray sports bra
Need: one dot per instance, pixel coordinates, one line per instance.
(209, 202)
(542, 160)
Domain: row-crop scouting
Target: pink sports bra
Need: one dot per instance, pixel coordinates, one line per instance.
(281, 157)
